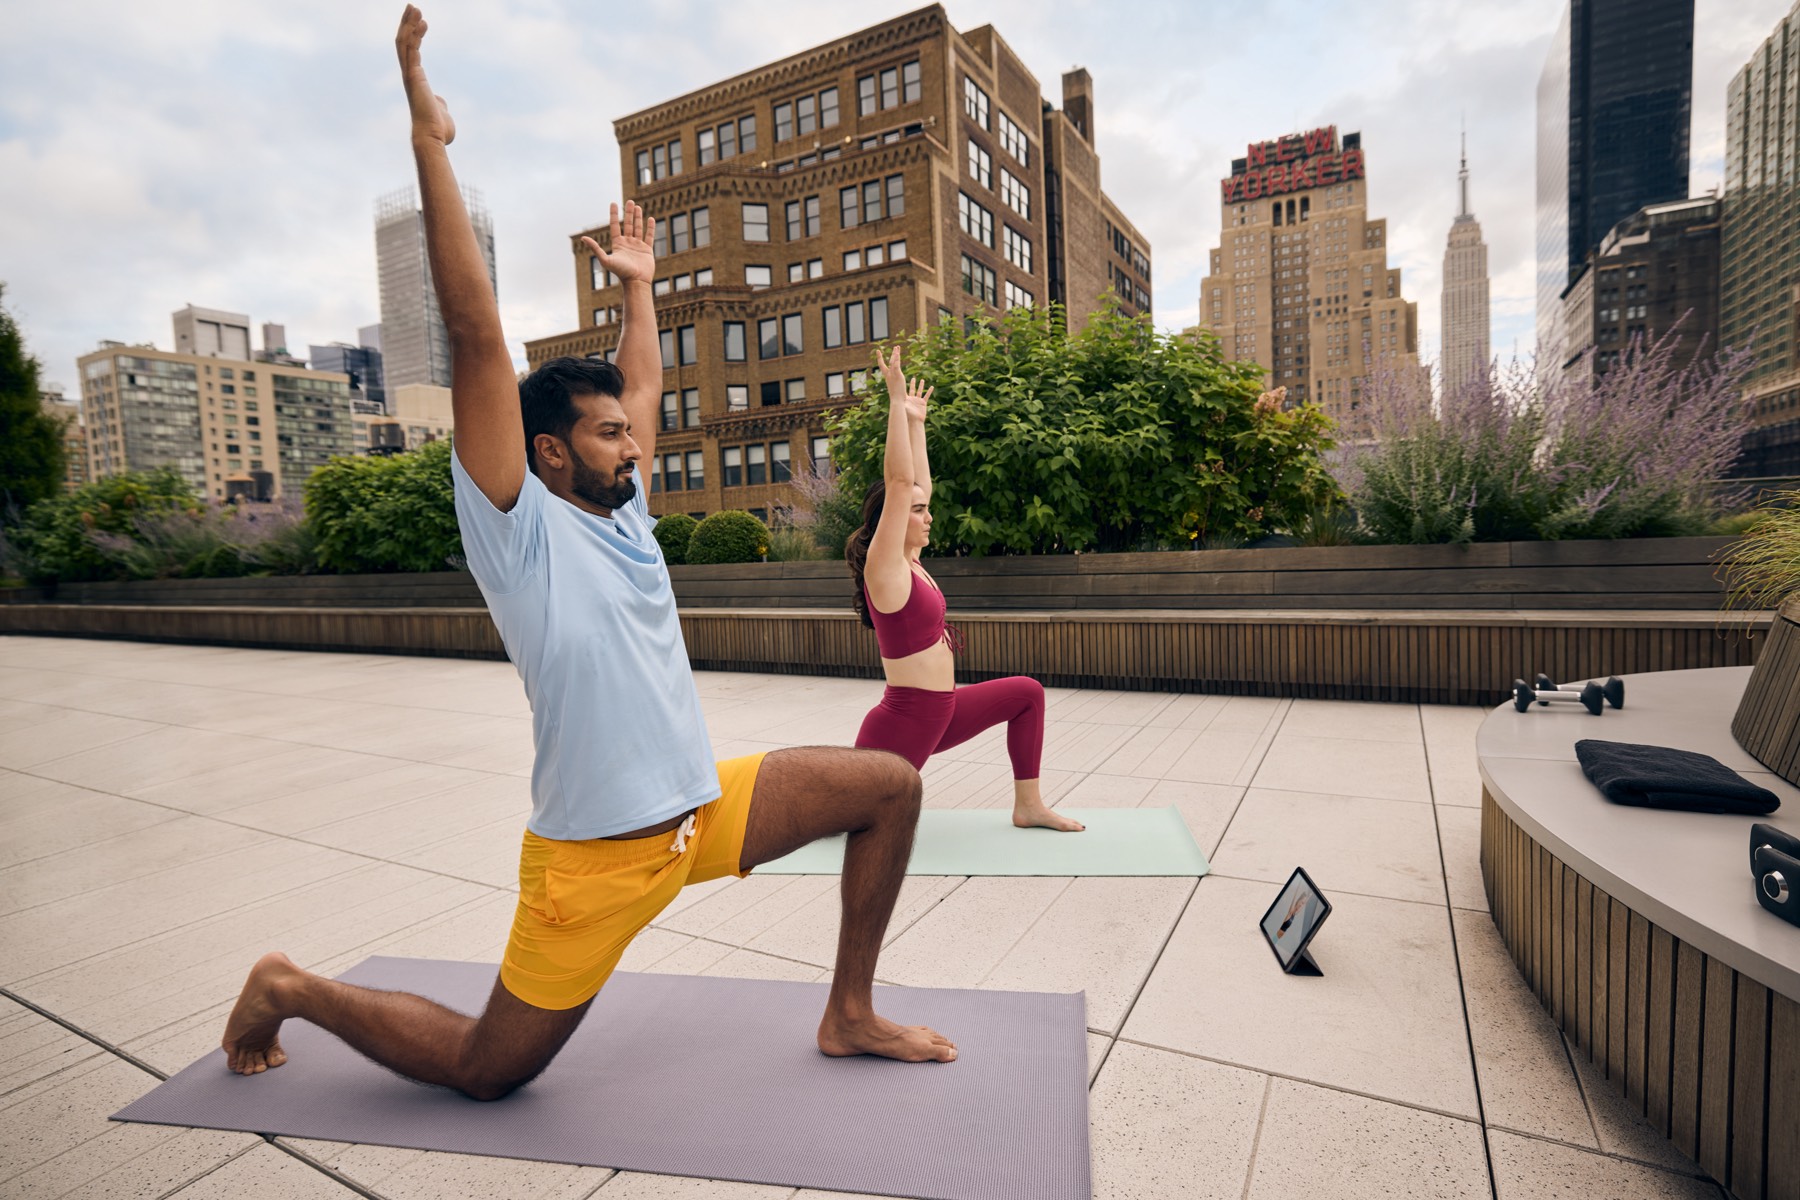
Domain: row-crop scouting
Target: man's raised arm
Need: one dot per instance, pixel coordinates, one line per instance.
(490, 433)
(639, 357)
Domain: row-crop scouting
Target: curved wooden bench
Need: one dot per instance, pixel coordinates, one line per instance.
(1639, 929)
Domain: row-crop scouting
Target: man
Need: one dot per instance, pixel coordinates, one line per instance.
(627, 805)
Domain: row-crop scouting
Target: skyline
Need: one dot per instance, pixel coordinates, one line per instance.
(201, 155)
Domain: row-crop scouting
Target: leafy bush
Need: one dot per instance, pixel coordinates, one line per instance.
(1045, 441)
(396, 513)
(728, 537)
(31, 445)
(1761, 569)
(673, 533)
(62, 538)
(824, 509)
(792, 543)
(1629, 453)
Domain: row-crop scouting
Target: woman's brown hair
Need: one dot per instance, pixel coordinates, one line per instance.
(856, 550)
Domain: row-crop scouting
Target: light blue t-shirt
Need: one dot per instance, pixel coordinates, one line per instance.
(584, 606)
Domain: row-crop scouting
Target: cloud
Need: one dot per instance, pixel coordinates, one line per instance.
(228, 153)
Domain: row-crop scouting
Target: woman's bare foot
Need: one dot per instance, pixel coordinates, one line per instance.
(1036, 816)
(842, 1037)
(251, 1044)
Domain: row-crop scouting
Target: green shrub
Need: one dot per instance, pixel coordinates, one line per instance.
(396, 513)
(67, 537)
(1761, 568)
(1045, 441)
(673, 533)
(728, 537)
(1736, 523)
(794, 543)
(824, 509)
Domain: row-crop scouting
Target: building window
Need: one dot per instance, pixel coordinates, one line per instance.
(888, 88)
(855, 331)
(779, 471)
(671, 411)
(978, 280)
(878, 319)
(671, 473)
(871, 201)
(768, 333)
(675, 157)
(848, 207)
(1018, 250)
(975, 220)
(756, 465)
(688, 349)
(794, 390)
(1016, 296)
(796, 272)
(897, 251)
(756, 222)
(734, 341)
(896, 195)
(703, 277)
(784, 129)
(820, 450)
(662, 287)
(737, 397)
(1013, 139)
(791, 340)
(599, 276)
(1016, 194)
(678, 232)
(834, 327)
(981, 165)
(702, 227)
(696, 471)
(828, 108)
(815, 268)
(975, 102)
(644, 171)
(834, 384)
(806, 115)
(758, 276)
(771, 393)
(667, 338)
(853, 260)
(690, 407)
(706, 142)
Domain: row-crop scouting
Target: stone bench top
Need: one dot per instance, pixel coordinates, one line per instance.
(1687, 872)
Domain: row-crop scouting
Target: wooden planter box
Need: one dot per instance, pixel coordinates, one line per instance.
(1768, 719)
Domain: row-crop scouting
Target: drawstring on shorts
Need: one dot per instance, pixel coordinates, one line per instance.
(682, 835)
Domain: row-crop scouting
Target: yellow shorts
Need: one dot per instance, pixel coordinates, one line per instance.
(581, 903)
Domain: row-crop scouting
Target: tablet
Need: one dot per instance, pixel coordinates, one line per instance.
(1292, 921)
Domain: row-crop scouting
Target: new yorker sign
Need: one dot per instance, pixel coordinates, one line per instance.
(1291, 164)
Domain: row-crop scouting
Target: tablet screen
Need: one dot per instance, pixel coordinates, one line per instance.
(1294, 917)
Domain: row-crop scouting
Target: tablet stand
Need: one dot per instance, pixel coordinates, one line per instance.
(1303, 964)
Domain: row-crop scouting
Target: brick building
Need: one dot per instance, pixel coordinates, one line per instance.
(814, 207)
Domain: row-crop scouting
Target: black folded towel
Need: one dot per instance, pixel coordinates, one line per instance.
(1659, 777)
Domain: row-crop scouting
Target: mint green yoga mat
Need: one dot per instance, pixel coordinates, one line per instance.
(983, 841)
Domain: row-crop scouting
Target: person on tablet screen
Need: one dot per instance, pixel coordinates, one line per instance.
(627, 803)
(922, 711)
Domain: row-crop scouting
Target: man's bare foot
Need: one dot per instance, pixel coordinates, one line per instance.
(1038, 817)
(251, 1044)
(879, 1036)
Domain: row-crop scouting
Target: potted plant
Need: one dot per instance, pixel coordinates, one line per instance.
(1761, 570)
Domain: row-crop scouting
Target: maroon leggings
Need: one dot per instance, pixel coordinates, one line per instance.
(915, 723)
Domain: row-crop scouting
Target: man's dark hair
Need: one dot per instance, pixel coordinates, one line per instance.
(547, 397)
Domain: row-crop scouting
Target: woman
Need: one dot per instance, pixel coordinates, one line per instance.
(923, 711)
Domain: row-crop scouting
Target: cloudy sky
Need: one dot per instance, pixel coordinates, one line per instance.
(227, 153)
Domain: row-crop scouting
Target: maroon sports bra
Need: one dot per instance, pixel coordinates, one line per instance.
(916, 625)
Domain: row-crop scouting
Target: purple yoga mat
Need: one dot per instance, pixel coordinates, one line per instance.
(715, 1078)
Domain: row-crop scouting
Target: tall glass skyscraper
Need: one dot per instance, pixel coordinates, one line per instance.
(1613, 109)
(415, 346)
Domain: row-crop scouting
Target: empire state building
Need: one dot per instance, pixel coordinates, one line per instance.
(1465, 296)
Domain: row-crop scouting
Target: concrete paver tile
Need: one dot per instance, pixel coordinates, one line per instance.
(60, 817)
(72, 734)
(1206, 807)
(1346, 843)
(960, 941)
(1529, 1169)
(729, 904)
(267, 1174)
(1251, 714)
(286, 770)
(1320, 1142)
(380, 783)
(1100, 936)
(1169, 1125)
(1385, 1020)
(1345, 766)
(1527, 1083)
(487, 854)
(162, 755)
(133, 851)
(1097, 790)
(1098, 1044)
(748, 964)
(399, 829)
(1359, 719)
(636, 1185)
(33, 1048)
(810, 934)
(1459, 833)
(1188, 710)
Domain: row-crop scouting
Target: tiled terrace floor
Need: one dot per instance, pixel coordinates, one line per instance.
(169, 812)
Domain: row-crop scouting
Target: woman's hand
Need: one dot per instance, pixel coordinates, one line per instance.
(917, 398)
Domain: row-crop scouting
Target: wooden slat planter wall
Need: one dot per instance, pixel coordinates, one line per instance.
(1634, 575)
(1709, 1056)
(1767, 723)
(1429, 657)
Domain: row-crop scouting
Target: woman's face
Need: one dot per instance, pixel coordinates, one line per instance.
(918, 521)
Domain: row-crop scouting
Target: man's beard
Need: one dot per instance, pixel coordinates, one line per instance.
(596, 488)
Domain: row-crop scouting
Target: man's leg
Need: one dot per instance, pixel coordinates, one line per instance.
(811, 792)
(485, 1057)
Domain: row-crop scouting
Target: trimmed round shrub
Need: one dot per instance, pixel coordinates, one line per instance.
(728, 537)
(673, 533)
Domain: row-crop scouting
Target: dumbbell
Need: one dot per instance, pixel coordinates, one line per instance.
(1613, 689)
(1592, 697)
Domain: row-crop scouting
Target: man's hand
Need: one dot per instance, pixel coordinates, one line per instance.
(430, 115)
(631, 257)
